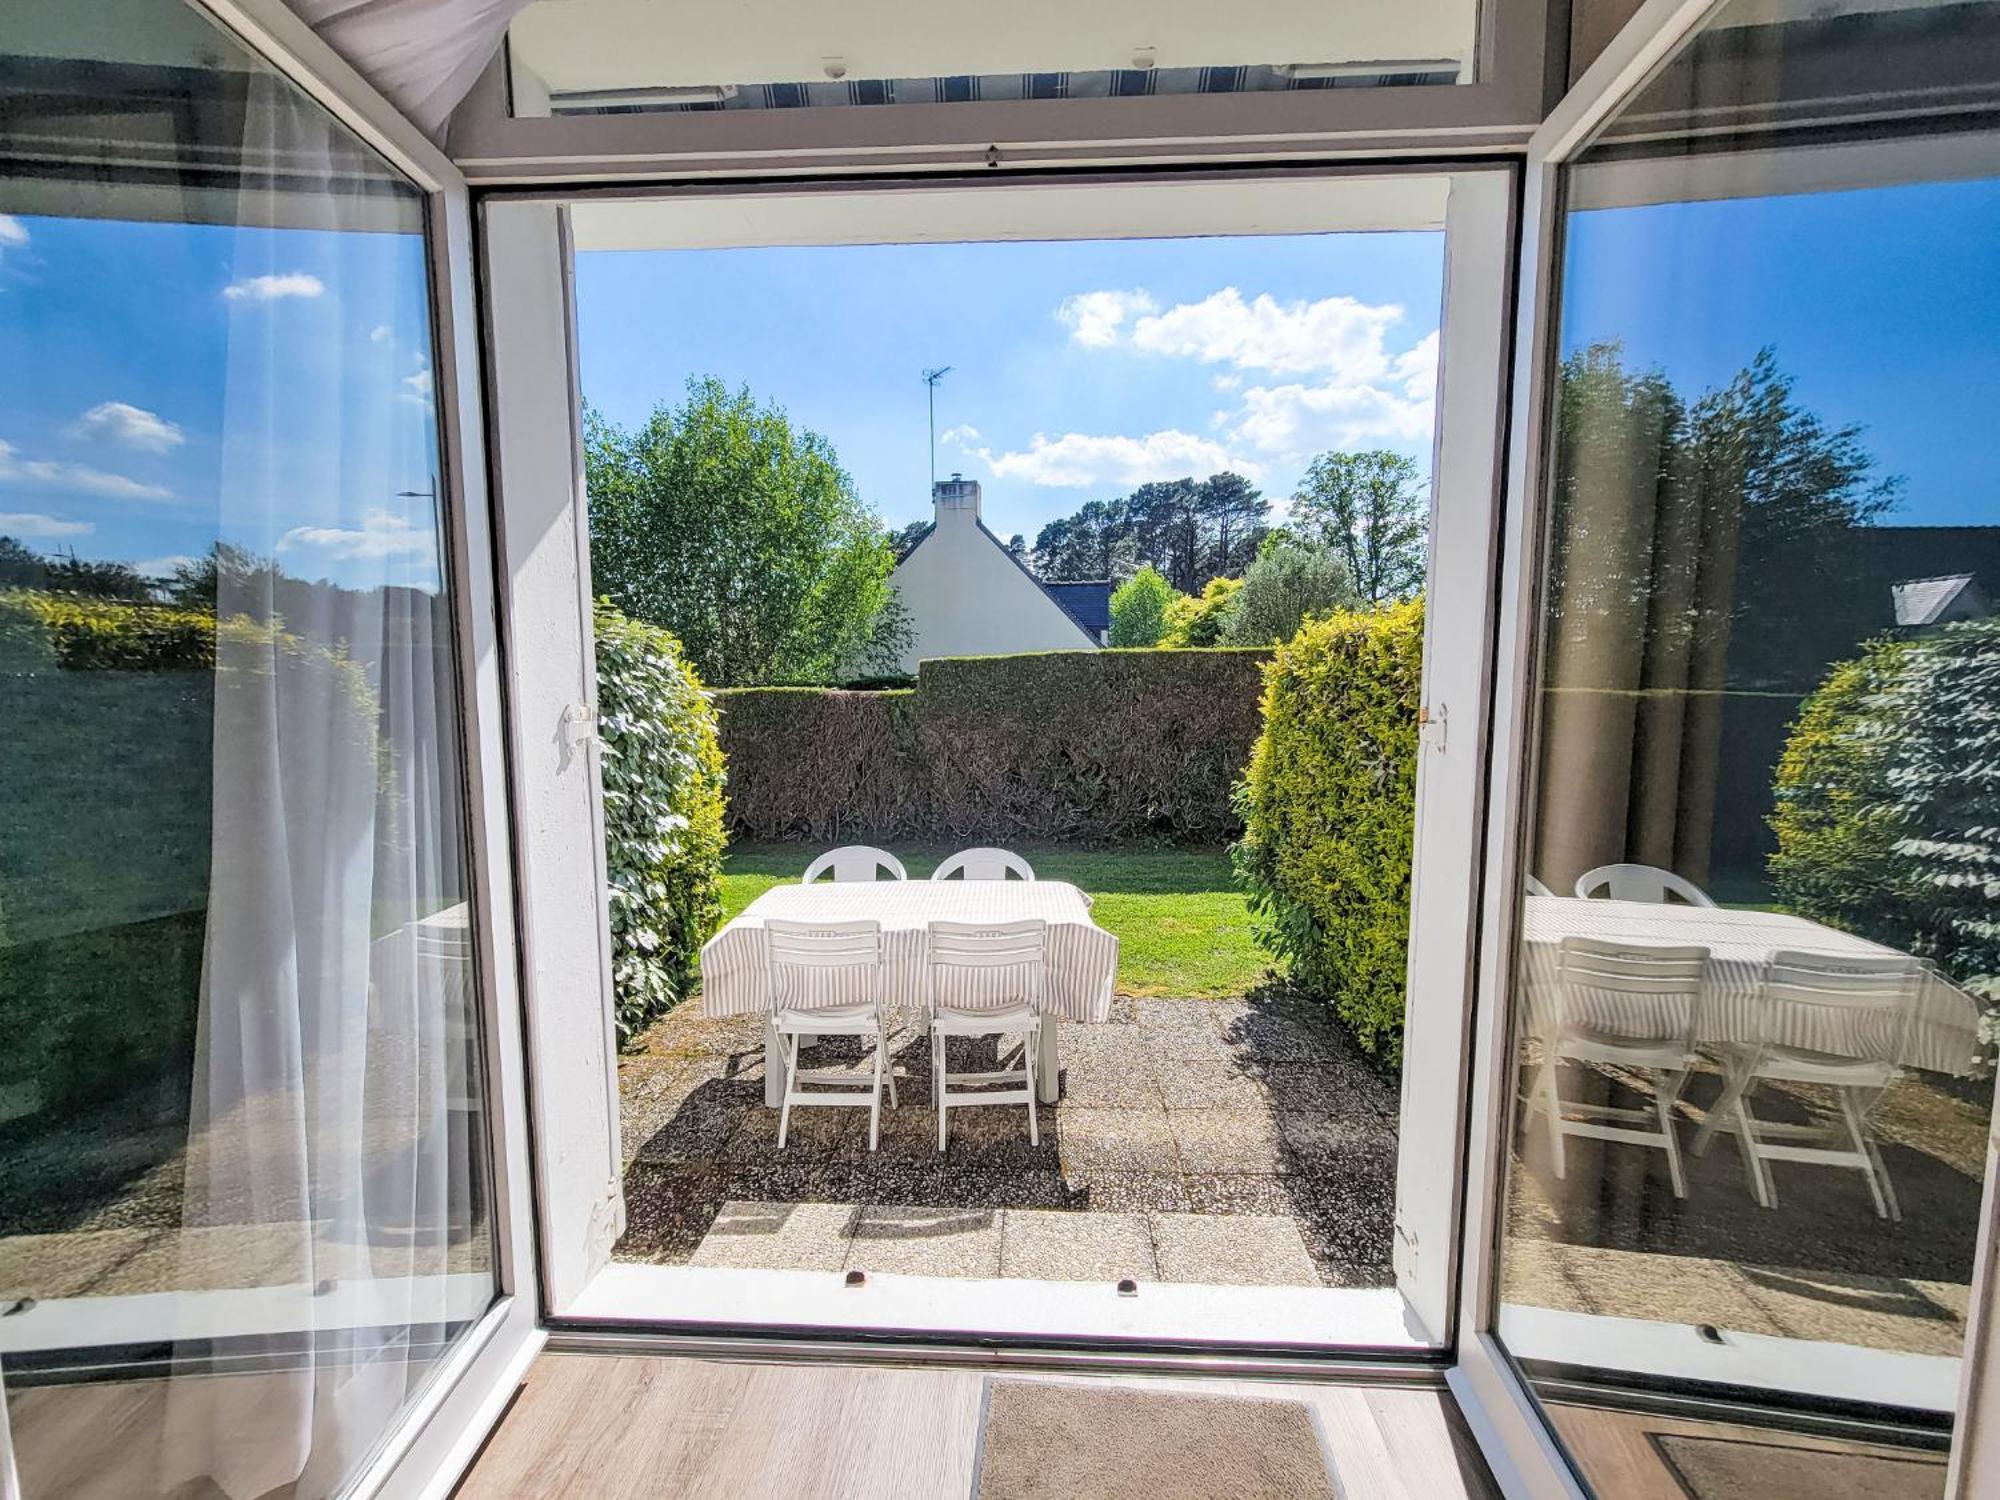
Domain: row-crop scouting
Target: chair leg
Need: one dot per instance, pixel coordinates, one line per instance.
(1734, 1082)
(1666, 1089)
(1872, 1168)
(1552, 1106)
(875, 1100)
(791, 1087)
(1028, 1064)
(889, 1069)
(1762, 1186)
(937, 1084)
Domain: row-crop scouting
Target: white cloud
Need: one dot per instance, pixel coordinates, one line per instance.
(1265, 334)
(1096, 319)
(163, 567)
(271, 288)
(963, 434)
(381, 333)
(382, 533)
(420, 385)
(33, 524)
(1226, 382)
(13, 233)
(79, 478)
(1078, 458)
(1395, 405)
(132, 426)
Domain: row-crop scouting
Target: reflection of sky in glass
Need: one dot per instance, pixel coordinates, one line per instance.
(159, 373)
(1882, 303)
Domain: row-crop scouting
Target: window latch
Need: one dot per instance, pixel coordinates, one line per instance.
(1431, 725)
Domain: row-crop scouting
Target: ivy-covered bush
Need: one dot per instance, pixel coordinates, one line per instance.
(1102, 746)
(39, 629)
(1888, 801)
(663, 839)
(1329, 814)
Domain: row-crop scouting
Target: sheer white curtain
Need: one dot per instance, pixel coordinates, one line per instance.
(423, 54)
(330, 1186)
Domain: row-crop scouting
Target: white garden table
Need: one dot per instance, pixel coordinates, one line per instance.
(1943, 1037)
(1081, 965)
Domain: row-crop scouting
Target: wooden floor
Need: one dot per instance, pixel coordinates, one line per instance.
(629, 1425)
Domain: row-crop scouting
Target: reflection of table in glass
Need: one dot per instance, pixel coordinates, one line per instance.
(1082, 957)
(1943, 1037)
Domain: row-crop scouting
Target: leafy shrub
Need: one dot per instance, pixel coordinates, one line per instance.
(1888, 801)
(1287, 585)
(662, 769)
(1139, 608)
(1199, 619)
(39, 629)
(1329, 813)
(1092, 745)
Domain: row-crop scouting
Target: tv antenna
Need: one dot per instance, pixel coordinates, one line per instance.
(931, 379)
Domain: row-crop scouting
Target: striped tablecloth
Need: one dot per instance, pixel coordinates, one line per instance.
(1943, 1039)
(1082, 957)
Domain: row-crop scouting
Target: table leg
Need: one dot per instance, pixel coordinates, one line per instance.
(1048, 1066)
(774, 1065)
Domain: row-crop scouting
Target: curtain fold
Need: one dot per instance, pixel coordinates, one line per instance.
(423, 54)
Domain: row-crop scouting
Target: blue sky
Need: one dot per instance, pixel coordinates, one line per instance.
(1129, 359)
(168, 384)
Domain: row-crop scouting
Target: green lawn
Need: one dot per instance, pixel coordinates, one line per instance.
(1182, 926)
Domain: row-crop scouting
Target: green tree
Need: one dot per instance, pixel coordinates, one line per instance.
(722, 522)
(1287, 585)
(1371, 508)
(1139, 609)
(1096, 542)
(1237, 514)
(1200, 619)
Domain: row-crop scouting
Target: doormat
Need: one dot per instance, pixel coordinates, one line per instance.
(1717, 1468)
(1047, 1440)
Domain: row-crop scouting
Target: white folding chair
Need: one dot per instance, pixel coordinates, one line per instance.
(985, 979)
(1629, 1005)
(827, 979)
(984, 864)
(1640, 883)
(1860, 1010)
(854, 862)
(1535, 887)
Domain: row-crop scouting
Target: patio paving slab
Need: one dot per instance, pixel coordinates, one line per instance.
(1207, 1086)
(1328, 1088)
(1269, 1034)
(908, 1241)
(1045, 1246)
(1106, 1067)
(1231, 1250)
(1119, 1140)
(815, 1132)
(1098, 1191)
(1236, 1140)
(778, 1236)
(1244, 1193)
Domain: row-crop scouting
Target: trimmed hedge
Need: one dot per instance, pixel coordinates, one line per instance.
(662, 773)
(1329, 811)
(40, 630)
(1058, 745)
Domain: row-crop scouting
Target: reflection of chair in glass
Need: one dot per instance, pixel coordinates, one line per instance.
(1535, 887)
(1639, 883)
(854, 862)
(827, 979)
(1858, 1013)
(1629, 1005)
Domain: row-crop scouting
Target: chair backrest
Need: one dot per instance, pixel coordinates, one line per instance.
(1536, 888)
(811, 965)
(984, 864)
(854, 862)
(1639, 991)
(959, 954)
(1859, 1007)
(1639, 883)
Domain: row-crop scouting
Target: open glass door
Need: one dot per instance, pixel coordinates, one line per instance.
(1739, 948)
(1265, 1162)
(263, 1165)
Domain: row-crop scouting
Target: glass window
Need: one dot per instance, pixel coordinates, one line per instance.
(240, 1096)
(1758, 942)
(571, 57)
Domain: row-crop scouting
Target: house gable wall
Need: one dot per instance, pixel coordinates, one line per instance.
(967, 597)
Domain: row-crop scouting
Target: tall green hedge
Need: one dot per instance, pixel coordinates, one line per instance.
(1888, 801)
(663, 839)
(1329, 812)
(1079, 745)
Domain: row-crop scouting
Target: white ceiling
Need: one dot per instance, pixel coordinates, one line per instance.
(614, 44)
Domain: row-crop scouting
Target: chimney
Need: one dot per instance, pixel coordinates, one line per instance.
(956, 499)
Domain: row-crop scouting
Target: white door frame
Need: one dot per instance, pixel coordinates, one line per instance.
(1511, 1428)
(440, 1431)
(1473, 204)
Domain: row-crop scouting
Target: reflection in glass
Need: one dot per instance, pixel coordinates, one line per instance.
(240, 1100)
(1756, 955)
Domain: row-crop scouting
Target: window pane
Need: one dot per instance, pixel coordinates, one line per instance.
(1758, 948)
(240, 1100)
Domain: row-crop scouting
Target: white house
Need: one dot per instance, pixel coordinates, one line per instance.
(967, 595)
